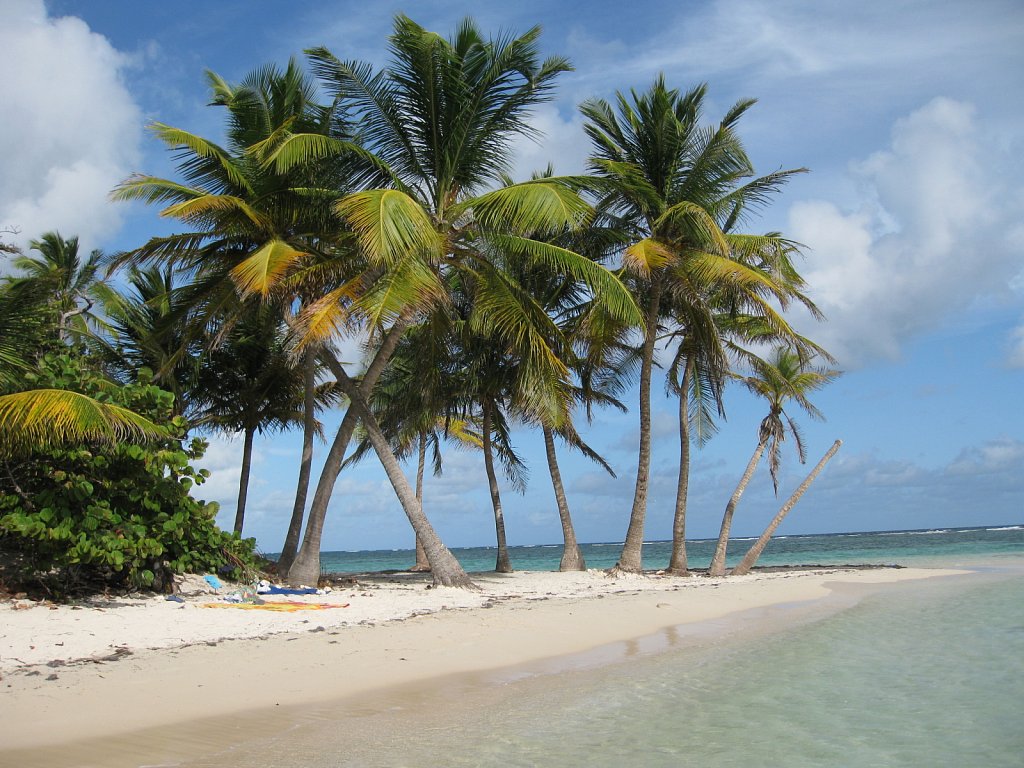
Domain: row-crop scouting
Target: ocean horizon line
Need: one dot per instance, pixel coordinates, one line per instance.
(1004, 526)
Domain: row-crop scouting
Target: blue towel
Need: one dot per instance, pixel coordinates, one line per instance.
(213, 581)
(288, 591)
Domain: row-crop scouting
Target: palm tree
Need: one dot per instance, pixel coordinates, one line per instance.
(696, 377)
(150, 328)
(783, 377)
(441, 119)
(248, 383)
(259, 208)
(677, 190)
(747, 563)
(32, 418)
(416, 404)
(291, 540)
(74, 285)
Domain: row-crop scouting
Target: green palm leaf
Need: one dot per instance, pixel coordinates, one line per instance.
(534, 206)
(646, 255)
(43, 417)
(262, 271)
(221, 162)
(604, 284)
(390, 224)
(204, 209)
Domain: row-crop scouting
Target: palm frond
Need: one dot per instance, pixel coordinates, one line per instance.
(263, 270)
(390, 225)
(44, 417)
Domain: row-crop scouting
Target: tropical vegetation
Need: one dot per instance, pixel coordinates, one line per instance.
(348, 205)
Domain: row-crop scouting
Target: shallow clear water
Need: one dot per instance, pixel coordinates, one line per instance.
(920, 674)
(903, 547)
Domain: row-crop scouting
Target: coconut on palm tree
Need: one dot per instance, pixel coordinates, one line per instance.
(783, 378)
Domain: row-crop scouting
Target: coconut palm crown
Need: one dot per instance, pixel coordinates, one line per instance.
(678, 189)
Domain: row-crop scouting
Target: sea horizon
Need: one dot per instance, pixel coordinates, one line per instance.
(882, 547)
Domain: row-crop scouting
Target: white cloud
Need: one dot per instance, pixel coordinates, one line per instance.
(933, 235)
(71, 131)
(223, 460)
(995, 456)
(561, 143)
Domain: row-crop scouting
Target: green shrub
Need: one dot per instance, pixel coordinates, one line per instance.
(84, 517)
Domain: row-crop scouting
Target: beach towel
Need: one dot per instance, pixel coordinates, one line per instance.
(286, 591)
(277, 606)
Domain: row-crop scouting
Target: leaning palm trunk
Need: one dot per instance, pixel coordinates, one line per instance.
(503, 564)
(421, 554)
(291, 541)
(445, 568)
(631, 559)
(718, 561)
(572, 557)
(305, 569)
(755, 551)
(677, 564)
(243, 480)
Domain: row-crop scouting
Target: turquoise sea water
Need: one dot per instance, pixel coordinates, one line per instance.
(920, 673)
(884, 547)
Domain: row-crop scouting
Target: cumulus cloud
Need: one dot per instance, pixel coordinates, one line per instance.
(561, 143)
(933, 235)
(993, 457)
(223, 460)
(71, 130)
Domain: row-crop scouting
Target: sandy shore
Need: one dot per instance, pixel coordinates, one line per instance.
(74, 673)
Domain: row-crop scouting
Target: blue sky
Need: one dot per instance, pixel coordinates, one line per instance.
(907, 113)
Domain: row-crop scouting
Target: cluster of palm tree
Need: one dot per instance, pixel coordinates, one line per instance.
(375, 205)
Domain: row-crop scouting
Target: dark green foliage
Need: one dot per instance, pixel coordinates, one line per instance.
(78, 518)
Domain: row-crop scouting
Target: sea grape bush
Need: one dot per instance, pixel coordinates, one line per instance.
(78, 517)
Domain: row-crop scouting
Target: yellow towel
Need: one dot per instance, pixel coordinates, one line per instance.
(282, 605)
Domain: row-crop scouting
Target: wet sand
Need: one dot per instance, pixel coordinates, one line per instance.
(160, 705)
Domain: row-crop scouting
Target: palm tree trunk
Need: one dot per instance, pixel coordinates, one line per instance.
(291, 541)
(503, 564)
(305, 569)
(631, 559)
(421, 565)
(755, 551)
(677, 563)
(243, 480)
(718, 561)
(445, 568)
(572, 557)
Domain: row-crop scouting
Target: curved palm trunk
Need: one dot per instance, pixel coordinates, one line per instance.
(503, 564)
(305, 569)
(718, 561)
(445, 568)
(631, 559)
(243, 480)
(291, 540)
(572, 557)
(421, 554)
(677, 563)
(755, 551)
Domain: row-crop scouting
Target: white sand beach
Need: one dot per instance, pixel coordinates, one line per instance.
(97, 670)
